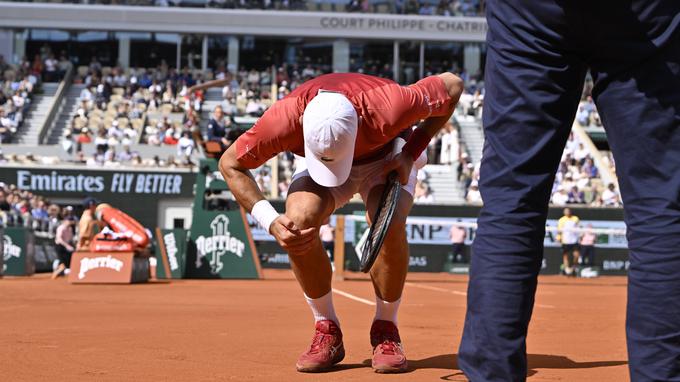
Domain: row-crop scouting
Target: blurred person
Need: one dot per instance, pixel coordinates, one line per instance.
(560, 197)
(610, 197)
(185, 146)
(427, 197)
(217, 129)
(88, 226)
(327, 235)
(125, 155)
(568, 236)
(587, 245)
(575, 196)
(473, 195)
(51, 69)
(457, 235)
(64, 241)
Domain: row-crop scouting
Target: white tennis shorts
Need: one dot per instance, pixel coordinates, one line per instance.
(362, 179)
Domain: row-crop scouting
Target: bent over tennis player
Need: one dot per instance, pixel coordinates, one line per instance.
(345, 127)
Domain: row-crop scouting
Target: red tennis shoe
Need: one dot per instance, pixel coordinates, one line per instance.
(326, 349)
(388, 353)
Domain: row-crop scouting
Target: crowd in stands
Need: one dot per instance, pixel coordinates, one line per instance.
(18, 85)
(588, 117)
(120, 108)
(419, 7)
(25, 209)
(578, 180)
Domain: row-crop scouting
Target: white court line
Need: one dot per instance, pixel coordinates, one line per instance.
(544, 306)
(459, 293)
(353, 297)
(428, 287)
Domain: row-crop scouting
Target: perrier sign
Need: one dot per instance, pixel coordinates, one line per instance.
(220, 244)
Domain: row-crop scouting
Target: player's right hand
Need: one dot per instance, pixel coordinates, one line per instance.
(290, 237)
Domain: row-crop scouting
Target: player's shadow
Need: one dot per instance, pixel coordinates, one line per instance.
(536, 361)
(449, 362)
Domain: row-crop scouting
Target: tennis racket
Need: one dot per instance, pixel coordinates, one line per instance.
(381, 222)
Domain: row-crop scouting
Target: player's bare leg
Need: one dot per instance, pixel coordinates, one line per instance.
(388, 275)
(576, 256)
(565, 263)
(308, 205)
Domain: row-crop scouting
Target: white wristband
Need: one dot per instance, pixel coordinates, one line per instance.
(264, 213)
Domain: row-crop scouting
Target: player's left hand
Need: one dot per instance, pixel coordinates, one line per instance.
(402, 163)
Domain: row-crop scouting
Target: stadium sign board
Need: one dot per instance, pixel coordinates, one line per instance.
(171, 253)
(272, 23)
(18, 251)
(108, 267)
(45, 181)
(220, 245)
(137, 191)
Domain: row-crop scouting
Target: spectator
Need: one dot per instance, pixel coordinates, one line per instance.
(51, 71)
(587, 246)
(217, 129)
(473, 194)
(185, 147)
(560, 198)
(457, 235)
(575, 196)
(610, 197)
(426, 197)
(327, 235)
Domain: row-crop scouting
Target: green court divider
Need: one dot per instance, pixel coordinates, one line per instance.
(220, 244)
(18, 251)
(171, 253)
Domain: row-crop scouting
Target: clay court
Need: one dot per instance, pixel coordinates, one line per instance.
(194, 330)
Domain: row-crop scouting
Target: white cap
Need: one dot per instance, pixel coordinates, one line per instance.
(330, 126)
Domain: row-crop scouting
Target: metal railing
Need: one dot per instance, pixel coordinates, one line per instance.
(55, 107)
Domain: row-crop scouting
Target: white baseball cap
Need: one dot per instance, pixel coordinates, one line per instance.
(329, 125)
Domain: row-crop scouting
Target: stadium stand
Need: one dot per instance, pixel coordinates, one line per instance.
(22, 208)
(19, 83)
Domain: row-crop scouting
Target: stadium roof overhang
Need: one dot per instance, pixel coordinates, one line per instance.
(241, 22)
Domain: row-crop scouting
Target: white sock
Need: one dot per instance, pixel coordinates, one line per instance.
(322, 308)
(386, 310)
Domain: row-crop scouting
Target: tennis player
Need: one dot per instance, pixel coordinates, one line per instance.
(343, 129)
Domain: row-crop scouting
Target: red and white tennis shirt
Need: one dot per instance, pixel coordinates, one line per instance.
(385, 109)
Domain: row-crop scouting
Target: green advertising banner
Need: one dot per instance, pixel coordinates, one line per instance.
(220, 244)
(171, 253)
(18, 252)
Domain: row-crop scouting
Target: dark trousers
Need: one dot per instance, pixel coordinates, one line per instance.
(588, 254)
(538, 53)
(459, 252)
(64, 255)
(329, 246)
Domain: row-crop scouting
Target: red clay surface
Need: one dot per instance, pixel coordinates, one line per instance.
(194, 330)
